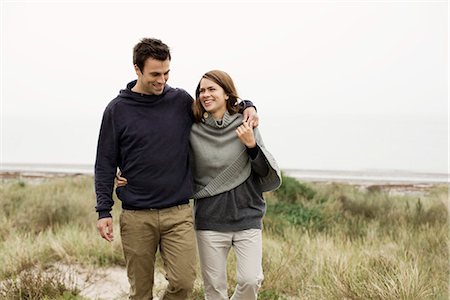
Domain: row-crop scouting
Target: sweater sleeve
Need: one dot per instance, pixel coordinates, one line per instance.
(258, 162)
(106, 165)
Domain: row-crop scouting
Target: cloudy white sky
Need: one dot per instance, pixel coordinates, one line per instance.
(339, 85)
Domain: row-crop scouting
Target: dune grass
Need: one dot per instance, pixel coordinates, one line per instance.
(348, 243)
(321, 241)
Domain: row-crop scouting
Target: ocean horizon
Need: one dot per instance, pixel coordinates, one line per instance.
(393, 176)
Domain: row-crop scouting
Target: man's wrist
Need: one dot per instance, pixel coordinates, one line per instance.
(245, 104)
(104, 214)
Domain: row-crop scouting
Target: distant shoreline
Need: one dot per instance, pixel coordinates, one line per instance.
(369, 176)
(357, 177)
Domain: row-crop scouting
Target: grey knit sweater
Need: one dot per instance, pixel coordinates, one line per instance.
(228, 183)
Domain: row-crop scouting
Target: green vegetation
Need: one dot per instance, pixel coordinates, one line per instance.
(321, 241)
(345, 242)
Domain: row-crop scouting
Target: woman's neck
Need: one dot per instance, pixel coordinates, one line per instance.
(218, 115)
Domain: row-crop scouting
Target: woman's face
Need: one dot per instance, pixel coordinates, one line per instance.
(213, 98)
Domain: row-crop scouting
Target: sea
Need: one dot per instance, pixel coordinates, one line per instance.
(352, 176)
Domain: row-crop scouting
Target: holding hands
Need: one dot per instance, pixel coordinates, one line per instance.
(245, 134)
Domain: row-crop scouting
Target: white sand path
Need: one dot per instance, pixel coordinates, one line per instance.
(105, 283)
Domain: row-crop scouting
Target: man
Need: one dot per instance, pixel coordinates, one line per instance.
(145, 133)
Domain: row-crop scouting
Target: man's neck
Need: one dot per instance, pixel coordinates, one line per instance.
(138, 89)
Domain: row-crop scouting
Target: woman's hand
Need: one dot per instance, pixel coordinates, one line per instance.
(245, 134)
(121, 181)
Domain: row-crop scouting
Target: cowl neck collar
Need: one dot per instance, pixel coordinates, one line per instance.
(226, 120)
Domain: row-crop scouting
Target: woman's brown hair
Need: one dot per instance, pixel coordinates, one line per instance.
(224, 81)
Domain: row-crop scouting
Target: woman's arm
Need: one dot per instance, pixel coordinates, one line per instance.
(258, 161)
(247, 137)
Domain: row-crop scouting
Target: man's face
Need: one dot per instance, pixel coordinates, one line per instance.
(153, 77)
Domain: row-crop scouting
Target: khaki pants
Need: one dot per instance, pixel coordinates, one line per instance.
(213, 248)
(170, 229)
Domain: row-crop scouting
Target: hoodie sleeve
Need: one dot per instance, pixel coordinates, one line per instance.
(106, 164)
(189, 103)
(245, 104)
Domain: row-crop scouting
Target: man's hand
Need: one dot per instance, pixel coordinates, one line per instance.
(245, 134)
(121, 181)
(251, 117)
(105, 228)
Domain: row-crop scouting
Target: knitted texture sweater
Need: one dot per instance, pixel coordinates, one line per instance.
(228, 184)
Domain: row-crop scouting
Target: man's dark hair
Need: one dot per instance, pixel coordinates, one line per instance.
(149, 47)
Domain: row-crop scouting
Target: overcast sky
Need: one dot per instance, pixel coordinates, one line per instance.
(341, 85)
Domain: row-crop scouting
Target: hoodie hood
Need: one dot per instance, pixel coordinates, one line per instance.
(129, 94)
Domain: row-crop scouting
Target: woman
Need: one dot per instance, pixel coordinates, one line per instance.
(231, 169)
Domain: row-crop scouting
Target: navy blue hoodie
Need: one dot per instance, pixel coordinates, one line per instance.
(147, 137)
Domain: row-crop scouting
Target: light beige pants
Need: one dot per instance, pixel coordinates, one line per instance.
(170, 229)
(213, 248)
